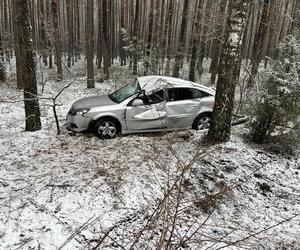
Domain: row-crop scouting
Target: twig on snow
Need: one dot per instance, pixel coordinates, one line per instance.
(77, 231)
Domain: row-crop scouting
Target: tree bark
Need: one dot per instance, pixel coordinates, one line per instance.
(57, 41)
(90, 44)
(121, 41)
(229, 70)
(204, 35)
(17, 47)
(2, 67)
(215, 57)
(259, 43)
(69, 6)
(149, 39)
(104, 39)
(43, 36)
(24, 33)
(169, 18)
(195, 41)
(135, 38)
(181, 44)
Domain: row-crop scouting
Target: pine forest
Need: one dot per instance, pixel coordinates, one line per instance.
(149, 124)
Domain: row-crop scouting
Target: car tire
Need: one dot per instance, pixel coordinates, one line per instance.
(202, 121)
(106, 128)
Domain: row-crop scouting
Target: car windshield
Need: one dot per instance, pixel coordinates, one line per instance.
(123, 93)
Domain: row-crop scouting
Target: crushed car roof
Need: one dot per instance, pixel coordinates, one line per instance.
(150, 83)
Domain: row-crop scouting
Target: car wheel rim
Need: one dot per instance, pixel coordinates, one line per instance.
(204, 123)
(107, 129)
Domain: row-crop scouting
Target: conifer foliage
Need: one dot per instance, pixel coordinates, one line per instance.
(278, 101)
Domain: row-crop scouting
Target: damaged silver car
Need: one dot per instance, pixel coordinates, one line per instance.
(148, 104)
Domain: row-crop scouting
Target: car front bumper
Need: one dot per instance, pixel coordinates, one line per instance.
(77, 123)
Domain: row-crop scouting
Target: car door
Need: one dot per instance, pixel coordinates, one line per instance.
(150, 115)
(182, 106)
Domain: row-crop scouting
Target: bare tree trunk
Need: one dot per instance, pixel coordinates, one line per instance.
(32, 110)
(77, 36)
(204, 35)
(259, 42)
(181, 44)
(43, 37)
(169, 35)
(90, 44)
(70, 39)
(135, 38)
(229, 69)
(99, 34)
(195, 41)
(49, 44)
(17, 48)
(215, 57)
(149, 38)
(2, 67)
(57, 41)
(104, 40)
(121, 42)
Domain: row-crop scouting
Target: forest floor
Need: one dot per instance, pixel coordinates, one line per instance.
(76, 191)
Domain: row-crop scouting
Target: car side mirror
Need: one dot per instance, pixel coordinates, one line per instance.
(137, 102)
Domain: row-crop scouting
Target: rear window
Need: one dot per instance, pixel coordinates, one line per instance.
(179, 94)
(199, 94)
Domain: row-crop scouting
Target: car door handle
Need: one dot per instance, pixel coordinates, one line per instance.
(159, 109)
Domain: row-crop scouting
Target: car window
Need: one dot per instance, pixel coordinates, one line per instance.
(155, 97)
(123, 93)
(199, 94)
(179, 94)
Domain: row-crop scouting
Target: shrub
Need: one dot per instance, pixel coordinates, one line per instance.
(278, 101)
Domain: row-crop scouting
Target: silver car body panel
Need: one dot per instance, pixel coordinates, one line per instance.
(77, 123)
(182, 113)
(92, 101)
(146, 117)
(165, 115)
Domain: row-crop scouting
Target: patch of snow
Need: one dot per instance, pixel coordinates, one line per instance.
(50, 186)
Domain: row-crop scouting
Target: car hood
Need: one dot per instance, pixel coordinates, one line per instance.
(93, 101)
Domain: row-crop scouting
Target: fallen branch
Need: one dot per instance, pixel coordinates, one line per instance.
(77, 231)
(239, 121)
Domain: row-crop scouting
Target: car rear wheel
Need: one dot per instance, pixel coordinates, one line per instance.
(106, 128)
(202, 121)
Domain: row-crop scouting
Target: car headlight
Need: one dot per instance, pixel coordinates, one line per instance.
(82, 111)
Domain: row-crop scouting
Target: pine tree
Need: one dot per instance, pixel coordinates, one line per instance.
(135, 37)
(181, 43)
(19, 67)
(2, 67)
(24, 33)
(278, 101)
(104, 39)
(57, 41)
(259, 42)
(90, 44)
(229, 70)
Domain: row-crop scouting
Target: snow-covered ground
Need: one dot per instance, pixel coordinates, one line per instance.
(71, 191)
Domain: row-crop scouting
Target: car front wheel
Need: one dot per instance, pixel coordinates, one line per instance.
(202, 121)
(106, 128)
